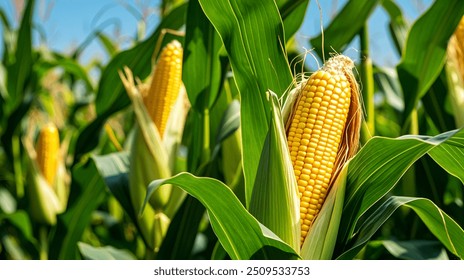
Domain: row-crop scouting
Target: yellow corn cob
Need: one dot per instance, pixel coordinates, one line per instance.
(455, 72)
(165, 85)
(456, 48)
(315, 133)
(47, 148)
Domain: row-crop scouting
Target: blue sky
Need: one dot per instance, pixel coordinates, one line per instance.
(67, 23)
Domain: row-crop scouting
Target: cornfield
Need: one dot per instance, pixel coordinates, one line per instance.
(213, 137)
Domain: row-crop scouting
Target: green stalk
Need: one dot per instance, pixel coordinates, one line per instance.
(367, 78)
(43, 239)
(17, 166)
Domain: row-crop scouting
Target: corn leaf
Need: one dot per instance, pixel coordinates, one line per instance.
(416, 249)
(203, 75)
(244, 25)
(90, 252)
(19, 71)
(21, 221)
(239, 232)
(8, 203)
(435, 103)
(344, 26)
(88, 190)
(275, 201)
(292, 13)
(425, 52)
(398, 25)
(447, 231)
(182, 232)
(229, 124)
(374, 171)
(202, 69)
(450, 156)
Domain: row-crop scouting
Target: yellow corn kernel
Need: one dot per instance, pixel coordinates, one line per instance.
(48, 149)
(165, 85)
(326, 96)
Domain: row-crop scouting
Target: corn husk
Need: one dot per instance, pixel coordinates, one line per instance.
(153, 157)
(46, 200)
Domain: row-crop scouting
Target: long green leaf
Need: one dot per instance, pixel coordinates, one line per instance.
(375, 170)
(450, 156)
(243, 26)
(239, 232)
(293, 13)
(202, 71)
(203, 75)
(182, 231)
(104, 253)
(398, 24)
(88, 191)
(425, 51)
(18, 72)
(450, 234)
(435, 103)
(416, 249)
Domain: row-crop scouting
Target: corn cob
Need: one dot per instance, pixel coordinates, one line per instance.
(316, 133)
(455, 72)
(47, 148)
(165, 85)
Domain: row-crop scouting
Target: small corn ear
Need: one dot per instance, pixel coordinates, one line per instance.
(322, 133)
(165, 85)
(48, 150)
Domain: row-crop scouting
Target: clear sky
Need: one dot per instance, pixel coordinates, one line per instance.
(67, 23)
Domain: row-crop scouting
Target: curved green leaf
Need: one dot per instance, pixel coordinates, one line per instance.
(239, 232)
(398, 24)
(416, 249)
(88, 190)
(104, 253)
(450, 156)
(243, 26)
(377, 167)
(18, 72)
(425, 52)
(293, 13)
(450, 234)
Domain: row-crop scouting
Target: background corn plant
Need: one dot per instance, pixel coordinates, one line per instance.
(399, 197)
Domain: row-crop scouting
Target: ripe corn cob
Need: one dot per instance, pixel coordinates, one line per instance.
(456, 47)
(165, 85)
(47, 148)
(455, 72)
(316, 133)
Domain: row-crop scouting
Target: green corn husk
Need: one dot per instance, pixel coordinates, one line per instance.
(152, 158)
(274, 201)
